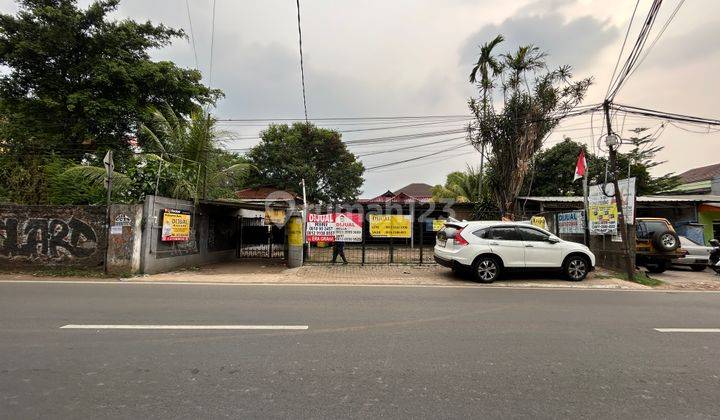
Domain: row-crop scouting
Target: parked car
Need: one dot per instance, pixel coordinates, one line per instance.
(697, 257)
(656, 244)
(488, 249)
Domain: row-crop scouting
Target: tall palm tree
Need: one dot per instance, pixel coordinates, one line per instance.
(487, 63)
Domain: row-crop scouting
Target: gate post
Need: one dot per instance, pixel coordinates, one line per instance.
(392, 250)
(295, 241)
(362, 261)
(422, 233)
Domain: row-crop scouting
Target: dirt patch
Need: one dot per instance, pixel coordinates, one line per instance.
(682, 278)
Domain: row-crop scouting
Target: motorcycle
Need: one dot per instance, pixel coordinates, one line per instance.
(714, 261)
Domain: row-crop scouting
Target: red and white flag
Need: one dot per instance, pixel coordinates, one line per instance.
(581, 166)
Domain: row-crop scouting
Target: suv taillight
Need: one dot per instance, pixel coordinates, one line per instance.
(459, 240)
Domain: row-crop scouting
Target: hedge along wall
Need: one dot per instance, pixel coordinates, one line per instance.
(72, 236)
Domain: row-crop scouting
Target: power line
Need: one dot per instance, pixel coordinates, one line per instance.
(302, 64)
(383, 118)
(617, 63)
(380, 152)
(212, 45)
(635, 51)
(662, 30)
(192, 33)
(666, 115)
(385, 165)
(422, 164)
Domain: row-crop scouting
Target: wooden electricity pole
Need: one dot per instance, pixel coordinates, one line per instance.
(613, 143)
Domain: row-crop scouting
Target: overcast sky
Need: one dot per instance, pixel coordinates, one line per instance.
(412, 57)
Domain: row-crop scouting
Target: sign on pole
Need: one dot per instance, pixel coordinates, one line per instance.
(602, 210)
(390, 226)
(320, 228)
(348, 227)
(334, 227)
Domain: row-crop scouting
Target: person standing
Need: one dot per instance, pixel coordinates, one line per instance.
(339, 249)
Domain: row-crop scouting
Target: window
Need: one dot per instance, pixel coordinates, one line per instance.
(482, 233)
(504, 233)
(447, 232)
(646, 229)
(530, 234)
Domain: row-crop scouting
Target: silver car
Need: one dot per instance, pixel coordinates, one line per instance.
(697, 256)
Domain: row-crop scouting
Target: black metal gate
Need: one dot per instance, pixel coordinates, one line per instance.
(258, 240)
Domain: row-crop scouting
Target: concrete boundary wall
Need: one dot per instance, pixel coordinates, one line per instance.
(158, 256)
(53, 236)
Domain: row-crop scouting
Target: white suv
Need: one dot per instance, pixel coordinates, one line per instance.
(489, 248)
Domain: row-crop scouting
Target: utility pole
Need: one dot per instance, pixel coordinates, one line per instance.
(613, 143)
(482, 162)
(586, 201)
(109, 168)
(306, 245)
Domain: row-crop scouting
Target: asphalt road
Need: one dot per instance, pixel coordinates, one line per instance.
(367, 352)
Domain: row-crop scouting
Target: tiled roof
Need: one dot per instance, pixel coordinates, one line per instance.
(703, 173)
(417, 190)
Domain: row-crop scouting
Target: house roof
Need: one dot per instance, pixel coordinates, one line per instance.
(264, 194)
(391, 198)
(703, 173)
(417, 189)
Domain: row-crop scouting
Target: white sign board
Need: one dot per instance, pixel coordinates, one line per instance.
(348, 227)
(338, 227)
(602, 211)
(573, 222)
(320, 228)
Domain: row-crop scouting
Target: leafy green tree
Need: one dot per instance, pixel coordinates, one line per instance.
(460, 186)
(553, 169)
(641, 159)
(85, 184)
(534, 99)
(77, 82)
(288, 154)
(187, 158)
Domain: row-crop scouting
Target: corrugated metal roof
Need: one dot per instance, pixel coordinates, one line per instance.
(696, 198)
(557, 199)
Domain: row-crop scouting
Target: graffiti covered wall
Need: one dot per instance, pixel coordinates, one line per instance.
(52, 236)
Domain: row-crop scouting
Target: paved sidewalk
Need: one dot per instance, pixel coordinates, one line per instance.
(371, 275)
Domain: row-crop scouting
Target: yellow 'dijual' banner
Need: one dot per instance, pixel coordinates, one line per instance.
(390, 226)
(175, 225)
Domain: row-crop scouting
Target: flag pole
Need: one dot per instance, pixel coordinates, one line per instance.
(587, 207)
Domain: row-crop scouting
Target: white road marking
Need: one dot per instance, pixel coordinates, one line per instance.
(183, 327)
(689, 330)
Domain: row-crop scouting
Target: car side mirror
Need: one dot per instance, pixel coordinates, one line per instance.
(553, 239)
(714, 242)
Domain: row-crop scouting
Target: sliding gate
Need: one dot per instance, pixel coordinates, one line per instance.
(258, 240)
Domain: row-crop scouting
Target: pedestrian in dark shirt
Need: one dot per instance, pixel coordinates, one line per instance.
(339, 249)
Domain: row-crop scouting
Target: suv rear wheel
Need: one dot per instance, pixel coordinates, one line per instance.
(486, 269)
(666, 241)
